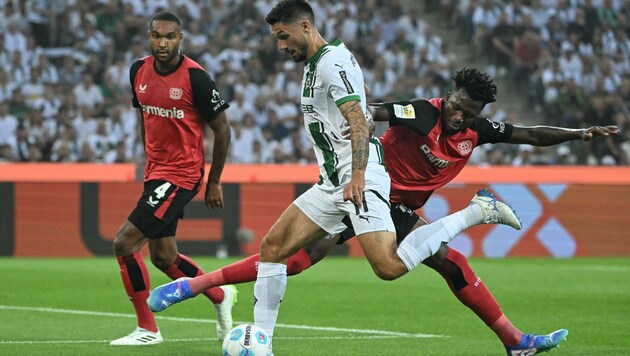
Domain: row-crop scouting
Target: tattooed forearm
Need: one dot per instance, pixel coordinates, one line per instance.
(359, 134)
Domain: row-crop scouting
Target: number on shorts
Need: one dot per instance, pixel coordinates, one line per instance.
(160, 191)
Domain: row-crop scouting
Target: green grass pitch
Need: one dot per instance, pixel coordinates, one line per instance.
(76, 306)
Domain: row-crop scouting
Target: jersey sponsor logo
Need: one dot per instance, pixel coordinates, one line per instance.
(173, 113)
(143, 88)
(437, 162)
(404, 111)
(175, 93)
(216, 99)
(339, 65)
(346, 82)
(500, 126)
(465, 147)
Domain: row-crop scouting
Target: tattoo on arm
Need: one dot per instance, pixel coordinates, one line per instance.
(359, 134)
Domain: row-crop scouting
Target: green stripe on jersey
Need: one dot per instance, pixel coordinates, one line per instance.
(379, 151)
(347, 99)
(330, 157)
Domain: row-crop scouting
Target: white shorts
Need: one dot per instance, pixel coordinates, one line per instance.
(327, 209)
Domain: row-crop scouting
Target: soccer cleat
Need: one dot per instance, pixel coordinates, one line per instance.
(168, 294)
(532, 344)
(224, 311)
(495, 211)
(139, 337)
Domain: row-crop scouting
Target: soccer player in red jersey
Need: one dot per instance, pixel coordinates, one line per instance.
(175, 98)
(443, 133)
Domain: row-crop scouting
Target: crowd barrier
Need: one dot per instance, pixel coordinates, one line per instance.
(74, 210)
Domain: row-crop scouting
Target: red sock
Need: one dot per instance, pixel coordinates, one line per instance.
(474, 294)
(135, 277)
(246, 270)
(185, 267)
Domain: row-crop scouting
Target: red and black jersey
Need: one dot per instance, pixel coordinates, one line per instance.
(422, 159)
(175, 107)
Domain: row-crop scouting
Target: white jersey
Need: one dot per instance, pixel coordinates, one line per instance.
(332, 77)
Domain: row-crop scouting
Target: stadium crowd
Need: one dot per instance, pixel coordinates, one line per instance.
(64, 71)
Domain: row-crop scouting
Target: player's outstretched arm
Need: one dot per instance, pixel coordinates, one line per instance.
(550, 135)
(222, 136)
(378, 111)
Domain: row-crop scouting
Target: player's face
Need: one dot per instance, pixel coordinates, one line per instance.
(459, 111)
(164, 38)
(291, 40)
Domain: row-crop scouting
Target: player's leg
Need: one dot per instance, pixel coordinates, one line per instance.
(165, 256)
(135, 277)
(312, 216)
(292, 231)
(473, 293)
(242, 271)
(426, 240)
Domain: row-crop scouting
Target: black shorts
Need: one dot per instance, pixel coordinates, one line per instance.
(404, 221)
(160, 207)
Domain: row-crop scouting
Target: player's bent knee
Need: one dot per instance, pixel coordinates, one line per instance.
(388, 272)
(271, 252)
(162, 261)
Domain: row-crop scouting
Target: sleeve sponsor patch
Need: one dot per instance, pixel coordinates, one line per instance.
(499, 126)
(404, 111)
(346, 82)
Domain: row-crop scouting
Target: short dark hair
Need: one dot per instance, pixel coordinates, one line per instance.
(290, 11)
(478, 85)
(165, 16)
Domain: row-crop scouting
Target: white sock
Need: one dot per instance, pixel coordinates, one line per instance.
(271, 282)
(425, 241)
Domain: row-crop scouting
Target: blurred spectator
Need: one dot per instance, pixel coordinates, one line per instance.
(558, 52)
(8, 125)
(6, 86)
(88, 94)
(6, 153)
(33, 89)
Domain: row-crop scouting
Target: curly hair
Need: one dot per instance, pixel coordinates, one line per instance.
(478, 85)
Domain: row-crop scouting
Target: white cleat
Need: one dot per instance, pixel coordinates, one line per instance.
(139, 337)
(495, 211)
(224, 311)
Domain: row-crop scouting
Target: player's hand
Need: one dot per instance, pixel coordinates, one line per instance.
(596, 131)
(354, 190)
(214, 195)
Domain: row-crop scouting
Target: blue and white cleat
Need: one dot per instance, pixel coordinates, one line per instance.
(532, 344)
(168, 294)
(495, 211)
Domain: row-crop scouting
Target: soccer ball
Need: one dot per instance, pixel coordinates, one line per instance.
(247, 340)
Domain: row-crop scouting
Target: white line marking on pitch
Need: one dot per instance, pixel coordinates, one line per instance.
(52, 342)
(381, 333)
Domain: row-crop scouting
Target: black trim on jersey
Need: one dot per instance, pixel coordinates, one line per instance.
(426, 115)
(491, 131)
(181, 60)
(206, 97)
(198, 183)
(133, 71)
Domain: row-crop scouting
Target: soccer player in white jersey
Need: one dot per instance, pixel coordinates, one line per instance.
(354, 184)
(353, 181)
